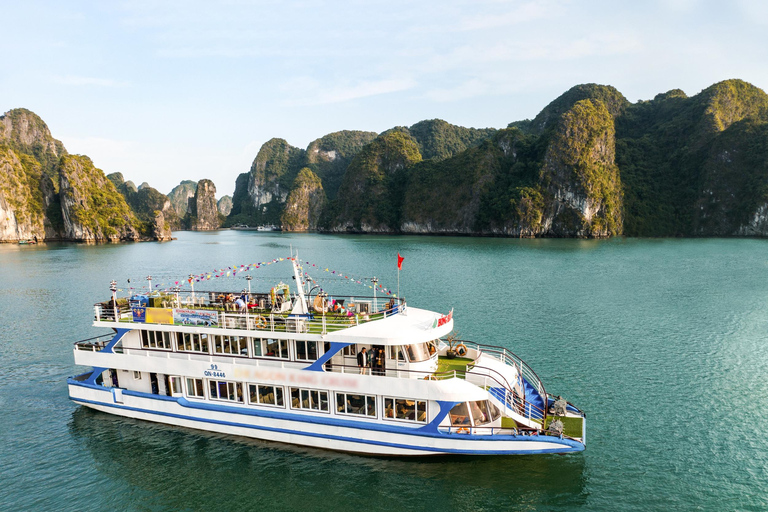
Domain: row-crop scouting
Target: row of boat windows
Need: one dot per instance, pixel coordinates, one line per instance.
(267, 347)
(354, 404)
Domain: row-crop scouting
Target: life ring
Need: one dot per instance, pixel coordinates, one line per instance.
(261, 322)
(430, 377)
(463, 430)
(461, 350)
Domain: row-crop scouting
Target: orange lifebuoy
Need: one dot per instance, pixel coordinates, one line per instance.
(461, 350)
(463, 430)
(261, 322)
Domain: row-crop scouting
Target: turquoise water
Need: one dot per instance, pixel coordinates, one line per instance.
(662, 342)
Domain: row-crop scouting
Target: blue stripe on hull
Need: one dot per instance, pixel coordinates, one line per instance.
(563, 446)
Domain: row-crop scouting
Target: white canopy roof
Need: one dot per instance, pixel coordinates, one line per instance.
(413, 326)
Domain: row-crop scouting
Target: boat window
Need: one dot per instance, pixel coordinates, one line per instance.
(306, 350)
(265, 395)
(362, 405)
(223, 390)
(495, 412)
(191, 342)
(175, 385)
(257, 347)
(460, 415)
(195, 388)
(418, 352)
(480, 413)
(311, 399)
(405, 409)
(157, 339)
(234, 345)
(350, 350)
(136, 375)
(277, 348)
(396, 352)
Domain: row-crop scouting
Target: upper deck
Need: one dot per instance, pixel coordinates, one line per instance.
(265, 313)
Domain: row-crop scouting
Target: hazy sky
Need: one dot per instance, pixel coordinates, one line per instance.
(164, 91)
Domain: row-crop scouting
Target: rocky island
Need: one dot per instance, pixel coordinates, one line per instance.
(590, 164)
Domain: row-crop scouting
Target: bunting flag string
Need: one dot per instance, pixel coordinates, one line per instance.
(234, 270)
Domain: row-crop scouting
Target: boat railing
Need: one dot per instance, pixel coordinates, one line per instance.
(258, 319)
(507, 357)
(94, 344)
(488, 430)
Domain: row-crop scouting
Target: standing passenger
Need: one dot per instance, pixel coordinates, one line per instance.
(362, 360)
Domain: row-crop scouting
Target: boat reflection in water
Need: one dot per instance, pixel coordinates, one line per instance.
(181, 468)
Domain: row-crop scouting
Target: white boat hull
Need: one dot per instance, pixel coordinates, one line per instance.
(315, 430)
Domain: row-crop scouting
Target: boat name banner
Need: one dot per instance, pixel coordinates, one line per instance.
(152, 315)
(195, 317)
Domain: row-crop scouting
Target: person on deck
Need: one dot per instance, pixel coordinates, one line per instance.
(362, 360)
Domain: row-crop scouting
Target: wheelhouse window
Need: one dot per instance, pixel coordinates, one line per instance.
(405, 409)
(276, 348)
(311, 399)
(233, 345)
(396, 352)
(350, 350)
(306, 350)
(460, 415)
(480, 413)
(359, 405)
(265, 394)
(157, 339)
(224, 390)
(192, 342)
(195, 388)
(417, 352)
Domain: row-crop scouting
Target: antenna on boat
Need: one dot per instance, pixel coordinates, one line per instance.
(192, 284)
(248, 278)
(374, 281)
(149, 279)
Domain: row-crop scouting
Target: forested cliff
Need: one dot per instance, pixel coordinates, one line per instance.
(590, 164)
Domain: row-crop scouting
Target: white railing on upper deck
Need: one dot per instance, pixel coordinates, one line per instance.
(316, 323)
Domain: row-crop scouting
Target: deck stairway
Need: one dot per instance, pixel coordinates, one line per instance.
(511, 384)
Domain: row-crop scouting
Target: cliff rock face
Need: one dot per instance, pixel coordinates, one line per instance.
(150, 206)
(180, 196)
(91, 207)
(22, 204)
(161, 231)
(224, 205)
(305, 203)
(371, 194)
(581, 175)
(260, 196)
(329, 156)
(25, 132)
(203, 213)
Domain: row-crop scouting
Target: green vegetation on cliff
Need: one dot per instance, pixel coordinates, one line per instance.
(94, 205)
(438, 139)
(663, 147)
(305, 202)
(372, 191)
(329, 156)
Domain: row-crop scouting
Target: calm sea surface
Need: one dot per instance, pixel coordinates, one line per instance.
(664, 343)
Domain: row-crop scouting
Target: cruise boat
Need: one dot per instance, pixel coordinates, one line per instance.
(360, 374)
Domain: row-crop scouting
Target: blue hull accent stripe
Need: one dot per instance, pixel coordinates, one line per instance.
(317, 366)
(563, 446)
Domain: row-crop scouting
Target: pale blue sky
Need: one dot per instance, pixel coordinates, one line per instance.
(165, 91)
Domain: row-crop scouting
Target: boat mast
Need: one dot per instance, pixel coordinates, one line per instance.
(297, 276)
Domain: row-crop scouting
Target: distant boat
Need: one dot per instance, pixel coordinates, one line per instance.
(27, 242)
(268, 227)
